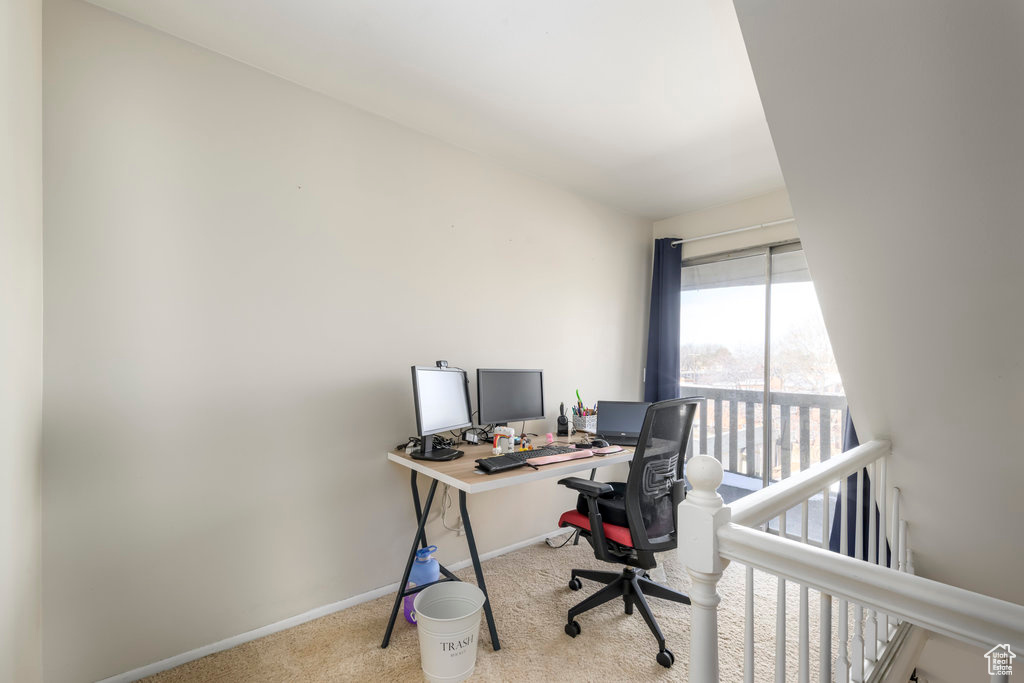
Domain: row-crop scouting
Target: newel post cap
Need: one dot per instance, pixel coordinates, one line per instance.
(700, 515)
(705, 475)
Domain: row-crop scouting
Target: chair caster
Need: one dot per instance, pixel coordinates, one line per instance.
(665, 658)
(572, 629)
(575, 584)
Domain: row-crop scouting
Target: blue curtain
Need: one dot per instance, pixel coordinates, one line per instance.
(850, 506)
(662, 378)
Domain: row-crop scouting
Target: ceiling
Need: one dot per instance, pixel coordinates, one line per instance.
(651, 108)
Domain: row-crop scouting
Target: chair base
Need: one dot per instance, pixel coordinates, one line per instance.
(632, 585)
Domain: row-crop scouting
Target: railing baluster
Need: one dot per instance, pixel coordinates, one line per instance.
(825, 521)
(904, 547)
(842, 667)
(857, 647)
(895, 541)
(805, 438)
(785, 448)
(751, 445)
(897, 530)
(883, 546)
(704, 427)
(825, 619)
(910, 550)
(780, 618)
(718, 431)
(824, 433)
(734, 464)
(805, 634)
(748, 630)
(871, 627)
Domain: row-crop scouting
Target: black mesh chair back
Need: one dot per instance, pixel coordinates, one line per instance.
(655, 486)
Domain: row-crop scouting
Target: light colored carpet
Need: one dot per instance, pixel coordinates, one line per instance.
(530, 594)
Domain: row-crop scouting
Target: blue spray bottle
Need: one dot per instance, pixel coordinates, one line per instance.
(424, 570)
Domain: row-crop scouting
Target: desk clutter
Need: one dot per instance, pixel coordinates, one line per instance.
(584, 419)
(532, 458)
(444, 418)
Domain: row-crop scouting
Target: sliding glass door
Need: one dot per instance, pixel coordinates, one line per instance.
(752, 335)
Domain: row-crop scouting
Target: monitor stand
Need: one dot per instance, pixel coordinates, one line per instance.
(428, 452)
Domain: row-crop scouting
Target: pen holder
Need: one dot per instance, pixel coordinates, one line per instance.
(585, 423)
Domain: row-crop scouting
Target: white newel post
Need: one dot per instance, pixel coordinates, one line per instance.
(700, 516)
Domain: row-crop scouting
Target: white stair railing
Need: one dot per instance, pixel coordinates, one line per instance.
(881, 587)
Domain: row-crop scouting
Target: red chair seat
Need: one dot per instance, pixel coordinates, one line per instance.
(612, 532)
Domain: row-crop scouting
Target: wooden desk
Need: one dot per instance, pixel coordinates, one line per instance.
(462, 474)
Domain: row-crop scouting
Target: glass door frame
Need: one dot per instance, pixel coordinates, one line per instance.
(767, 251)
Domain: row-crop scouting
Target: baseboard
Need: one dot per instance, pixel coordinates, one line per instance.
(315, 613)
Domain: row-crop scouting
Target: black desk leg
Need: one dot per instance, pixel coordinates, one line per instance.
(479, 571)
(412, 556)
(419, 514)
(416, 503)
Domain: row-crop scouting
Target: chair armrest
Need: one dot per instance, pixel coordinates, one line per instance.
(591, 489)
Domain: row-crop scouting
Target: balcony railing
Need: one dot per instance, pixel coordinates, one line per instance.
(729, 427)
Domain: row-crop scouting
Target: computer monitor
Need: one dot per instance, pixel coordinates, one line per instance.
(441, 396)
(504, 396)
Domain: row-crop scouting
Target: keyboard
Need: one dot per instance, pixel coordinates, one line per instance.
(546, 450)
(510, 461)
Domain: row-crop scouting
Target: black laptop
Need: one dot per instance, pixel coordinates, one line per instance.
(619, 422)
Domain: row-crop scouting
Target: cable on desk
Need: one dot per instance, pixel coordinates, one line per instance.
(437, 440)
(446, 503)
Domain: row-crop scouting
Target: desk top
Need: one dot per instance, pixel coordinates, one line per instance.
(463, 474)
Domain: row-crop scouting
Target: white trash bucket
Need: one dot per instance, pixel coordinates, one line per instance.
(448, 621)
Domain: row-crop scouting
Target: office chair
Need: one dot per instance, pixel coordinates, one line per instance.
(628, 522)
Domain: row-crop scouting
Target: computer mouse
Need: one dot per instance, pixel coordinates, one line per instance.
(599, 443)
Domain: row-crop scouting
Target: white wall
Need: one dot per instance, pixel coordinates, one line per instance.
(949, 661)
(765, 208)
(20, 338)
(898, 126)
(239, 274)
